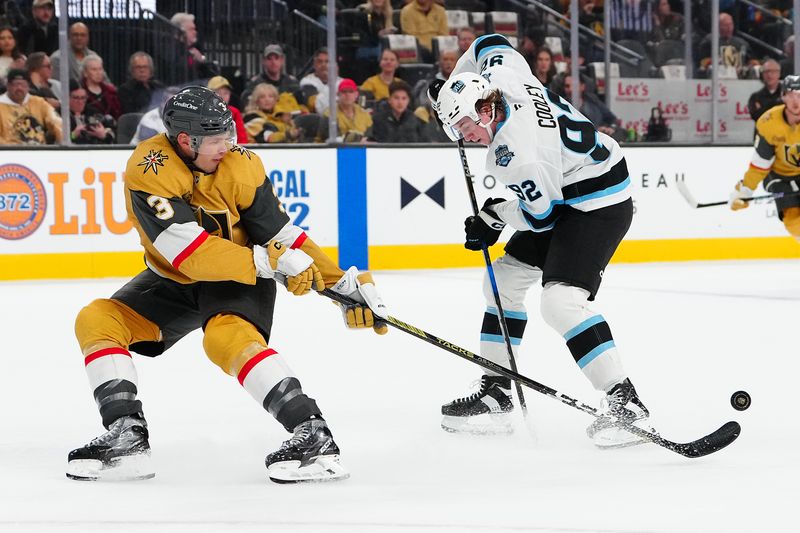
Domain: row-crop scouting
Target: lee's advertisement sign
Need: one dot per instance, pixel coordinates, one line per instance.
(686, 107)
(73, 200)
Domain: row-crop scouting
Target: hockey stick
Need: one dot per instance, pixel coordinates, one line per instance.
(711, 443)
(687, 195)
(468, 177)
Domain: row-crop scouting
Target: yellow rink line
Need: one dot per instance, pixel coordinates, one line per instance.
(125, 264)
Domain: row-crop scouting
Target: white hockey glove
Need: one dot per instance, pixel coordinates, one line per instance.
(735, 201)
(361, 288)
(301, 273)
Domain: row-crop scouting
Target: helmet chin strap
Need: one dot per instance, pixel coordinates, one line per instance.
(488, 125)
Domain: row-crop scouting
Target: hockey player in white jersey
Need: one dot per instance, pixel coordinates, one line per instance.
(573, 208)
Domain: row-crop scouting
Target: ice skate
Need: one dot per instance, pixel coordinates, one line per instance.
(120, 454)
(310, 455)
(485, 412)
(620, 403)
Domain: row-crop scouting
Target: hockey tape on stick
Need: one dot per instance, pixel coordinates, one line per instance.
(710, 443)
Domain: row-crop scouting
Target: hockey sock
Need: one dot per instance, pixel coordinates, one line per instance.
(566, 309)
(270, 381)
(113, 379)
(493, 345)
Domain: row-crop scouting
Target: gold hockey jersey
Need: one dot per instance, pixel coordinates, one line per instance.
(777, 148)
(196, 226)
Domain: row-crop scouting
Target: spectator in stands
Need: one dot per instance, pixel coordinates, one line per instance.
(354, 122)
(447, 62)
(151, 123)
(8, 51)
(223, 88)
(86, 124)
(770, 94)
(264, 120)
(199, 66)
(590, 14)
(466, 36)
(40, 33)
(733, 50)
(631, 19)
(136, 94)
(666, 24)
(272, 66)
(593, 108)
(397, 123)
(545, 68)
(39, 70)
(102, 96)
(424, 19)
(787, 63)
(26, 119)
(378, 84)
(377, 24)
(78, 49)
(432, 129)
(318, 79)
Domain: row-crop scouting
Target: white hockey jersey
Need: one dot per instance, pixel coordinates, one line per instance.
(545, 151)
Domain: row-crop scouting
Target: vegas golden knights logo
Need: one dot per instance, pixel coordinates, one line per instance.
(730, 56)
(215, 223)
(791, 153)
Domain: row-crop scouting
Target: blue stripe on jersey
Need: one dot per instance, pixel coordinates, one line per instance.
(546, 220)
(486, 337)
(519, 315)
(600, 194)
(591, 356)
(583, 326)
(487, 42)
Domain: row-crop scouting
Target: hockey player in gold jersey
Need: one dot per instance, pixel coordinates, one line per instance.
(776, 159)
(215, 237)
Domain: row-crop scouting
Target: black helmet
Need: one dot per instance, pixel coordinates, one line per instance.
(199, 112)
(790, 83)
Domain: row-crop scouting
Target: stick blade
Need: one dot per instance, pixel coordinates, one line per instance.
(713, 442)
(687, 195)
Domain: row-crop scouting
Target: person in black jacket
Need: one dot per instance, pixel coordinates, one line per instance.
(770, 94)
(40, 33)
(396, 123)
(136, 94)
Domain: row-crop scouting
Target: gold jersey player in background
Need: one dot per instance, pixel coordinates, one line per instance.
(215, 238)
(776, 159)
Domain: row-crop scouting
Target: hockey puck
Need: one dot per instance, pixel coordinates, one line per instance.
(740, 400)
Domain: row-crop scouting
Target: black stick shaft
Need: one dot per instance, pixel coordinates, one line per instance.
(495, 291)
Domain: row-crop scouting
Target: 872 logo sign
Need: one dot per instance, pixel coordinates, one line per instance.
(23, 202)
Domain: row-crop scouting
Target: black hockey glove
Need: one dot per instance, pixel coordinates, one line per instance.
(484, 229)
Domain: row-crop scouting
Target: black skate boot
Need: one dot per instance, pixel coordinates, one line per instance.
(122, 453)
(310, 455)
(486, 412)
(621, 403)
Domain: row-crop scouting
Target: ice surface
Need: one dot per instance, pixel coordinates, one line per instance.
(690, 334)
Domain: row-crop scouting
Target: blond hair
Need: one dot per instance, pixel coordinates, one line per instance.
(387, 12)
(258, 91)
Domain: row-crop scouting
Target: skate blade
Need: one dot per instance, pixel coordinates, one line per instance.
(130, 468)
(494, 424)
(324, 468)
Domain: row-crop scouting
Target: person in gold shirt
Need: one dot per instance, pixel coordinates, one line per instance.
(215, 238)
(378, 84)
(424, 19)
(354, 122)
(776, 158)
(25, 118)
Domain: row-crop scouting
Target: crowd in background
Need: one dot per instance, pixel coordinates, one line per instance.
(379, 99)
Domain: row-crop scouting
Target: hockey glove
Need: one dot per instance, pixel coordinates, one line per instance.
(301, 273)
(484, 229)
(735, 201)
(361, 288)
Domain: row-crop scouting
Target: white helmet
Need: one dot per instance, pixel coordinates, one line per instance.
(457, 99)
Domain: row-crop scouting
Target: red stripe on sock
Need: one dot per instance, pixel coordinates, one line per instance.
(189, 250)
(298, 242)
(248, 366)
(105, 351)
